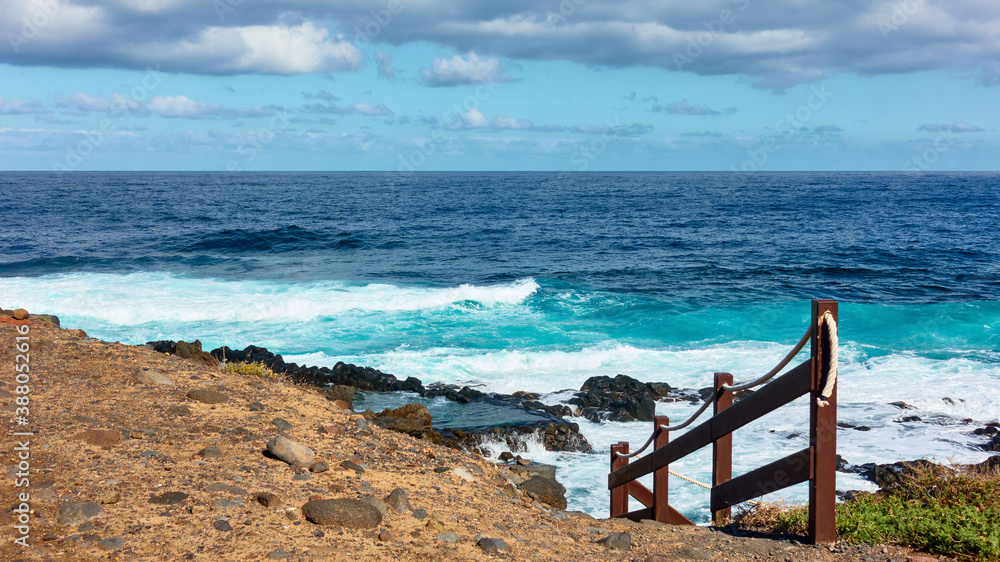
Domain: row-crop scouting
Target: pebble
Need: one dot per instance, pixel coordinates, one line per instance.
(77, 513)
(111, 498)
(223, 503)
(357, 467)
(448, 537)
(278, 555)
(441, 469)
(222, 525)
(267, 499)
(292, 452)
(398, 501)
(464, 474)
(355, 514)
(319, 467)
(179, 410)
(206, 396)
(493, 546)
(210, 452)
(154, 378)
(258, 407)
(20, 314)
(419, 514)
(111, 543)
(281, 424)
(376, 503)
(168, 498)
(617, 541)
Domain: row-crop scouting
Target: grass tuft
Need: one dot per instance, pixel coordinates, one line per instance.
(934, 510)
(251, 369)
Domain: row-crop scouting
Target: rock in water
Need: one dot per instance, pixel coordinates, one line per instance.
(342, 392)
(354, 514)
(77, 513)
(207, 396)
(292, 452)
(547, 490)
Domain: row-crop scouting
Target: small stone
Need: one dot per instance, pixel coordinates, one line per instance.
(225, 488)
(206, 396)
(398, 501)
(222, 525)
(376, 503)
(292, 452)
(278, 555)
(506, 456)
(136, 435)
(464, 474)
(441, 469)
(257, 407)
(493, 546)
(355, 514)
(111, 543)
(153, 377)
(357, 467)
(111, 498)
(281, 424)
(179, 411)
(105, 438)
(617, 541)
(384, 535)
(168, 498)
(419, 514)
(267, 499)
(547, 490)
(210, 452)
(448, 537)
(198, 509)
(523, 462)
(20, 314)
(224, 503)
(77, 513)
(319, 467)
(362, 424)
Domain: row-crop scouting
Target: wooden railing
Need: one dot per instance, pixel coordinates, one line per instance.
(815, 464)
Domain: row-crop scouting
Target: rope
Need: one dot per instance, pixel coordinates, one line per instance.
(689, 479)
(733, 388)
(704, 485)
(828, 339)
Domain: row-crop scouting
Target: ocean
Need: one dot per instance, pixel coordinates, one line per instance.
(537, 281)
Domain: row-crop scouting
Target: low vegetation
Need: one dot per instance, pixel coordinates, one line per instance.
(251, 369)
(935, 510)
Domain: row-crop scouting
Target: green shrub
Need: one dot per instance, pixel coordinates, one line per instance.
(251, 369)
(954, 513)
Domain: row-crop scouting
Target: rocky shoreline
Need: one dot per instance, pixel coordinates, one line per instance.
(145, 455)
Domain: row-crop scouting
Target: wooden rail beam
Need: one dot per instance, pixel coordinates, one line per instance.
(777, 393)
(782, 473)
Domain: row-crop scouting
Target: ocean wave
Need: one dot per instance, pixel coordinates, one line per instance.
(144, 298)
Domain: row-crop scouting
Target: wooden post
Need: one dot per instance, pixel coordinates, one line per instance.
(661, 505)
(822, 439)
(722, 448)
(619, 495)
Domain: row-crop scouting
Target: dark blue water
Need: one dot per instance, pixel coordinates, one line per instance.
(694, 237)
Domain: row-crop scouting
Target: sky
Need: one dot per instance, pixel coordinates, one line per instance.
(568, 85)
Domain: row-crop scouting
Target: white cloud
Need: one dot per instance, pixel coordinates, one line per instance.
(462, 70)
(473, 119)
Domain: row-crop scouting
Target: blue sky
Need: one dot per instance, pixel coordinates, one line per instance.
(542, 85)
